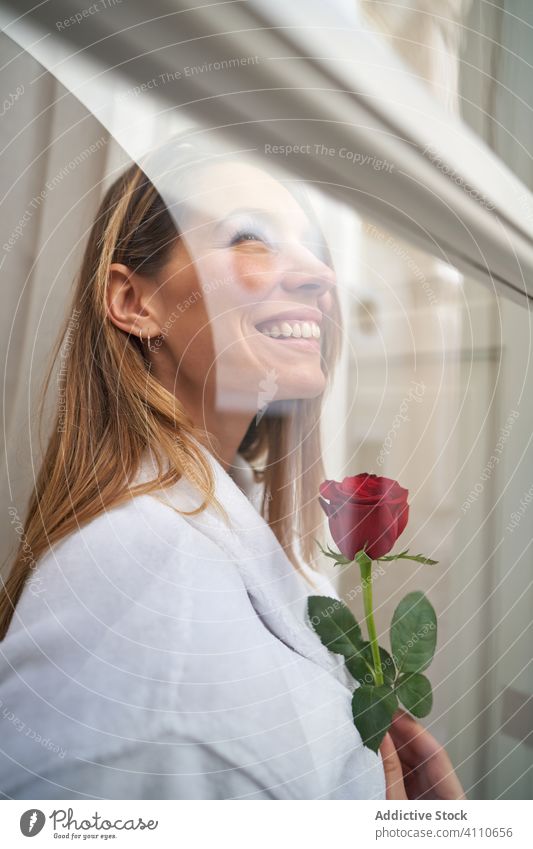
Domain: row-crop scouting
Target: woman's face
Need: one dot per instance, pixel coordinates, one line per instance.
(245, 295)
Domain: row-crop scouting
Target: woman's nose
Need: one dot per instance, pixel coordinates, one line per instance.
(307, 272)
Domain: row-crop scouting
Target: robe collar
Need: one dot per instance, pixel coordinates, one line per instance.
(276, 590)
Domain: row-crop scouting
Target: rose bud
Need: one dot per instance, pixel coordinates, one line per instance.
(365, 511)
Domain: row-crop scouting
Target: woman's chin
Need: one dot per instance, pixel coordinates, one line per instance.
(304, 389)
(270, 387)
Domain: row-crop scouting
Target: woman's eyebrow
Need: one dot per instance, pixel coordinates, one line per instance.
(243, 210)
(311, 235)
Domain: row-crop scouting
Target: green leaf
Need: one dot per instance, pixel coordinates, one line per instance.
(387, 666)
(414, 692)
(335, 624)
(413, 633)
(373, 709)
(403, 555)
(361, 665)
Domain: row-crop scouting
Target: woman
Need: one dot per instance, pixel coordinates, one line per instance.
(159, 646)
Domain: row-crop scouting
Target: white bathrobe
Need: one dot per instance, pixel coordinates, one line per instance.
(160, 656)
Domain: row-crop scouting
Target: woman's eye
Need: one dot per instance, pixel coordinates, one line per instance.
(248, 236)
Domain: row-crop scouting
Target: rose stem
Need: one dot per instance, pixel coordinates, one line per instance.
(365, 564)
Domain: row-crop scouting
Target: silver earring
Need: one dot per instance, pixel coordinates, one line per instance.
(153, 350)
(141, 334)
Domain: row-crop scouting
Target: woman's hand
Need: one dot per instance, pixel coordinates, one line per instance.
(416, 765)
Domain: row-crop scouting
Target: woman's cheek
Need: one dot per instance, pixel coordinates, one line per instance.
(255, 273)
(325, 302)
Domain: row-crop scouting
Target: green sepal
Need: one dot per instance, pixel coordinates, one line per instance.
(340, 559)
(364, 561)
(404, 555)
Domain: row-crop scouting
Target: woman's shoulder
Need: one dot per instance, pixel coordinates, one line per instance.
(118, 626)
(133, 562)
(141, 531)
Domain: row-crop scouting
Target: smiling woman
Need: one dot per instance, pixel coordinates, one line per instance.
(165, 644)
(167, 652)
(160, 383)
(215, 357)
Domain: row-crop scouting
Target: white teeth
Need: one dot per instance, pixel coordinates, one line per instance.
(294, 329)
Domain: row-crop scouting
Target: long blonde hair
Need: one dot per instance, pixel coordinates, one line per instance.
(112, 409)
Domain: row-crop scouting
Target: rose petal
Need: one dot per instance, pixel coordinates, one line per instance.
(402, 519)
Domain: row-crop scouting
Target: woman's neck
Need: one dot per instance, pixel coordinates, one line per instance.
(225, 425)
(227, 430)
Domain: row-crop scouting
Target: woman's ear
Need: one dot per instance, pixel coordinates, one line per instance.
(128, 301)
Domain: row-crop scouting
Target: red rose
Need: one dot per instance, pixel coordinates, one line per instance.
(365, 511)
